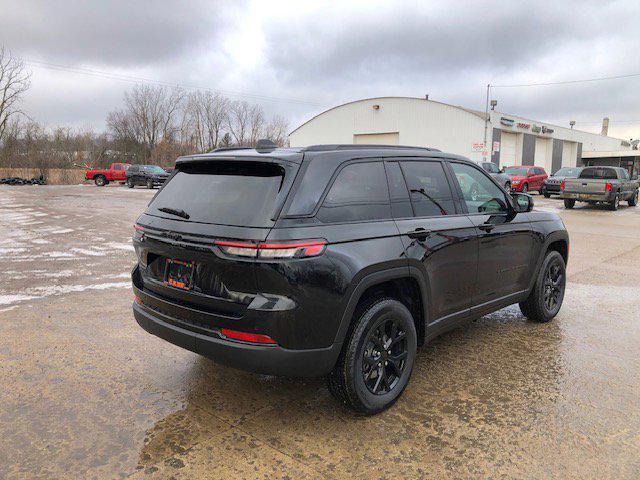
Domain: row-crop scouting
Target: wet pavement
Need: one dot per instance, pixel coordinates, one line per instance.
(87, 394)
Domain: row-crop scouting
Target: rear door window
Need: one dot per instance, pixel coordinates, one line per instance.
(359, 192)
(429, 189)
(239, 193)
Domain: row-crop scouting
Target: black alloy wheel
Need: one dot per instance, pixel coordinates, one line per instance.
(130, 183)
(615, 203)
(554, 283)
(384, 356)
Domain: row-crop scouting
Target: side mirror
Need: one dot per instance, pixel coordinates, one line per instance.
(523, 202)
(502, 170)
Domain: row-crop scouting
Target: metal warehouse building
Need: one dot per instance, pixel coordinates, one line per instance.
(511, 140)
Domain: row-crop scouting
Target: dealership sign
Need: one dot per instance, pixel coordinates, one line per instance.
(507, 122)
(477, 146)
(547, 129)
(525, 126)
(535, 128)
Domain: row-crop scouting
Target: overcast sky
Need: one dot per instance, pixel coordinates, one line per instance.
(307, 56)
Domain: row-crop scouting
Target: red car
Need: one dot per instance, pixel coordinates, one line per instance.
(102, 177)
(525, 178)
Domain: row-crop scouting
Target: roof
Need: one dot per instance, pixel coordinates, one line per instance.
(618, 153)
(291, 154)
(468, 110)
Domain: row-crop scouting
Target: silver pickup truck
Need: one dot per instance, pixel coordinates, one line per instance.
(608, 185)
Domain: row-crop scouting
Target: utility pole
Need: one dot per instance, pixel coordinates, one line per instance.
(486, 123)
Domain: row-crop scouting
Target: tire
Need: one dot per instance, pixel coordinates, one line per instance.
(130, 183)
(545, 193)
(149, 184)
(633, 201)
(525, 188)
(615, 203)
(100, 181)
(545, 300)
(355, 380)
(569, 203)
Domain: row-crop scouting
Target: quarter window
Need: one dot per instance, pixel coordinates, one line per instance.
(429, 188)
(359, 192)
(479, 193)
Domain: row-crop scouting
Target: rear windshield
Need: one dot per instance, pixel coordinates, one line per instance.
(152, 169)
(568, 172)
(603, 173)
(225, 192)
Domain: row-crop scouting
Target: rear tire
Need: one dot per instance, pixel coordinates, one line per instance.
(615, 203)
(100, 181)
(377, 358)
(545, 300)
(569, 203)
(633, 201)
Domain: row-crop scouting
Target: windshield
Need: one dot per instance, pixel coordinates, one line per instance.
(599, 173)
(228, 192)
(516, 171)
(152, 169)
(568, 172)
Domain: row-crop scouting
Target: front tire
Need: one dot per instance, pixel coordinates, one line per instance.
(569, 203)
(130, 183)
(545, 193)
(546, 298)
(377, 359)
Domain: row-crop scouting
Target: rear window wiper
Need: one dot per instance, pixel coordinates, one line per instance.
(173, 211)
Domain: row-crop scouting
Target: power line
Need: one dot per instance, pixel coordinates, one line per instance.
(137, 79)
(567, 82)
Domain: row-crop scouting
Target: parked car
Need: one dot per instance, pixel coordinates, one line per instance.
(338, 260)
(148, 175)
(526, 178)
(115, 173)
(501, 177)
(552, 184)
(608, 185)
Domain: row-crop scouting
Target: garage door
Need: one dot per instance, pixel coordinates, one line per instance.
(542, 157)
(507, 149)
(377, 138)
(569, 150)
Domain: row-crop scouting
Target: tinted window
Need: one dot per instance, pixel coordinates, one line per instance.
(490, 167)
(568, 172)
(599, 173)
(117, 167)
(429, 188)
(399, 195)
(539, 171)
(133, 168)
(359, 192)
(480, 194)
(228, 192)
(516, 171)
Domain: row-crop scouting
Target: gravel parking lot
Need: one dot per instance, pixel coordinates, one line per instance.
(87, 393)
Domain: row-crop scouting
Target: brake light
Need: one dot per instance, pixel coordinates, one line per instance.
(305, 249)
(562, 185)
(607, 187)
(247, 337)
(138, 227)
(137, 299)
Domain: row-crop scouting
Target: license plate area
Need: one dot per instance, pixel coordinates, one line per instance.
(178, 274)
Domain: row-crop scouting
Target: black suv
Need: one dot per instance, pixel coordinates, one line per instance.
(149, 175)
(337, 260)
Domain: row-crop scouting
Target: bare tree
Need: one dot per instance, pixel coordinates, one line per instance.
(208, 115)
(238, 121)
(14, 82)
(277, 130)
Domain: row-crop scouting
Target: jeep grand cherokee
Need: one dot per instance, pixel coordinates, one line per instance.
(337, 260)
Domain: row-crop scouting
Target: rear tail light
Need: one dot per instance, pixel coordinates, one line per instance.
(607, 187)
(247, 337)
(138, 228)
(311, 248)
(562, 185)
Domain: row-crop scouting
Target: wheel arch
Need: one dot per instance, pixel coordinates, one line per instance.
(556, 241)
(406, 284)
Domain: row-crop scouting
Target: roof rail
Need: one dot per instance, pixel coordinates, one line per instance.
(330, 147)
(226, 149)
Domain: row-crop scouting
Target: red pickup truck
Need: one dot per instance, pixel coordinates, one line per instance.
(115, 173)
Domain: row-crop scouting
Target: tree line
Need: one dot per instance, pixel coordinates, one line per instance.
(155, 124)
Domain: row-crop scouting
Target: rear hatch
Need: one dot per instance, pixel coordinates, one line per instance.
(205, 203)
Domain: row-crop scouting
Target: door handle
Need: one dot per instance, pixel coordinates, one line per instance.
(419, 233)
(487, 227)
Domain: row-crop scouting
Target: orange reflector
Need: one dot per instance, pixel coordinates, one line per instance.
(247, 337)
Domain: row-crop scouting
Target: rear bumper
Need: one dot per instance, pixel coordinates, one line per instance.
(589, 197)
(153, 315)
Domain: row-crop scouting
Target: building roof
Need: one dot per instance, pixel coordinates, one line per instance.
(469, 110)
(618, 153)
